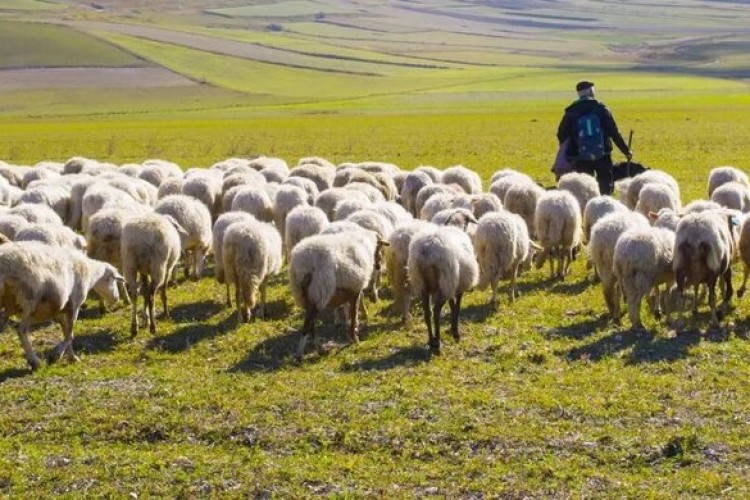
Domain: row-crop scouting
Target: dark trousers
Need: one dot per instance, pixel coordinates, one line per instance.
(601, 168)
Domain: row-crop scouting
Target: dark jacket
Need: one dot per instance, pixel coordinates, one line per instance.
(567, 128)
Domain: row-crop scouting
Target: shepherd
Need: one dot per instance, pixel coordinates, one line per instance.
(589, 128)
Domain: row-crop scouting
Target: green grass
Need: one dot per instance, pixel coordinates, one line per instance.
(30, 45)
(30, 5)
(285, 9)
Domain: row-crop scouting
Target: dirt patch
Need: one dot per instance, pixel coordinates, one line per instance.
(41, 78)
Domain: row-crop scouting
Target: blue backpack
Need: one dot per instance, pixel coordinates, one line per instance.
(590, 137)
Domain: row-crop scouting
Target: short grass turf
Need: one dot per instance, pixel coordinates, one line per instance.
(540, 398)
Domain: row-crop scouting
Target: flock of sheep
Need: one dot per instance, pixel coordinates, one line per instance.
(71, 228)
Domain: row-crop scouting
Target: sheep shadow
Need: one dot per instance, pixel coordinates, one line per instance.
(608, 345)
(408, 356)
(95, 343)
(183, 338)
(579, 330)
(195, 311)
(11, 373)
(272, 354)
(569, 287)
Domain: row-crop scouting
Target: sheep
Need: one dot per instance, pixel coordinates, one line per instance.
(392, 211)
(378, 167)
(322, 176)
(287, 198)
(255, 201)
(219, 230)
(10, 224)
(642, 261)
(372, 193)
(505, 172)
(500, 186)
(601, 249)
(697, 206)
(41, 283)
(173, 185)
(345, 208)
(381, 226)
(442, 267)
(205, 188)
(140, 190)
(722, 175)
(434, 173)
(268, 162)
(583, 186)
(52, 234)
(397, 258)
(665, 218)
(328, 199)
(502, 244)
(398, 180)
(347, 175)
(194, 218)
(150, 247)
(413, 183)
(251, 251)
(703, 253)
(595, 209)
(35, 174)
(650, 176)
(249, 178)
(9, 194)
(655, 196)
(100, 196)
(732, 195)
(435, 204)
(558, 226)
(130, 169)
(469, 180)
(459, 218)
(522, 199)
(387, 185)
(744, 254)
(316, 160)
(427, 192)
(13, 174)
(77, 191)
(55, 197)
(302, 222)
(33, 212)
(309, 186)
(330, 270)
(479, 204)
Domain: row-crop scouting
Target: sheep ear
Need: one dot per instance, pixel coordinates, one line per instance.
(383, 243)
(473, 219)
(177, 226)
(536, 247)
(653, 216)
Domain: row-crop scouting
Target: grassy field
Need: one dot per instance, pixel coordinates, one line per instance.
(542, 398)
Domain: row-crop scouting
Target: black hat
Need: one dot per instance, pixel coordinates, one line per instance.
(584, 85)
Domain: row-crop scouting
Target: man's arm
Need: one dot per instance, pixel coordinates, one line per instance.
(610, 127)
(563, 131)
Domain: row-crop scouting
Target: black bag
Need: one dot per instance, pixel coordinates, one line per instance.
(627, 169)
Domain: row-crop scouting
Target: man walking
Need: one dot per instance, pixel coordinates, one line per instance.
(590, 128)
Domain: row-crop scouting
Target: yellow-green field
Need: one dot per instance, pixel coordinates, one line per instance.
(542, 398)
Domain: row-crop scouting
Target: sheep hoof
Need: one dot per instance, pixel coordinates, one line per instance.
(657, 315)
(435, 348)
(152, 329)
(35, 364)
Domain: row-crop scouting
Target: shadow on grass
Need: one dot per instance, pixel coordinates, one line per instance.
(274, 353)
(183, 338)
(196, 311)
(94, 343)
(408, 356)
(570, 287)
(12, 373)
(578, 330)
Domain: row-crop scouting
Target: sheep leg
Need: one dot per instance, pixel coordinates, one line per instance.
(308, 332)
(68, 321)
(263, 295)
(125, 295)
(238, 299)
(354, 319)
(229, 295)
(436, 309)
(493, 298)
(513, 276)
(427, 316)
(712, 301)
(134, 308)
(728, 291)
(552, 265)
(363, 307)
(745, 274)
(31, 358)
(148, 287)
(455, 305)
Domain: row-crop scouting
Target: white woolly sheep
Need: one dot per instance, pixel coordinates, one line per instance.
(522, 199)
(744, 254)
(328, 199)
(150, 248)
(100, 196)
(502, 244)
(193, 217)
(442, 267)
(345, 208)
(13, 174)
(665, 218)
(205, 188)
(392, 211)
(502, 184)
(697, 206)
(255, 201)
(413, 183)
(506, 172)
(639, 181)
(642, 261)
(703, 253)
(219, 230)
(722, 175)
(328, 271)
(427, 192)
(55, 197)
(170, 186)
(469, 180)
(557, 223)
(655, 196)
(288, 197)
(10, 224)
(583, 186)
(251, 253)
(41, 283)
(302, 222)
(459, 218)
(320, 175)
(435, 205)
(732, 195)
(35, 174)
(479, 204)
(140, 190)
(397, 260)
(309, 186)
(597, 208)
(601, 249)
(316, 160)
(36, 213)
(130, 169)
(381, 226)
(434, 173)
(52, 234)
(372, 193)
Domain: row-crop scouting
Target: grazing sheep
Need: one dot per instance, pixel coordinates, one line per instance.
(130, 169)
(330, 198)
(372, 193)
(655, 196)
(427, 192)
(697, 206)
(77, 191)
(459, 218)
(413, 183)
(557, 223)
(597, 208)
(327, 271)
(434, 173)
(722, 175)
(442, 267)
(170, 186)
(52, 234)
(316, 160)
(703, 253)
(11, 224)
(36, 213)
(140, 190)
(251, 253)
(732, 195)
(479, 204)
(501, 185)
(206, 188)
(275, 174)
(322, 176)
(13, 174)
(287, 198)
(437, 203)
(381, 226)
(309, 186)
(604, 236)
(502, 245)
(522, 199)
(255, 201)
(397, 260)
(155, 172)
(347, 175)
(41, 283)
(665, 218)
(100, 196)
(392, 211)
(193, 217)
(302, 222)
(637, 183)
(583, 186)
(35, 174)
(219, 230)
(53, 196)
(245, 178)
(345, 208)
(642, 261)
(150, 247)
(744, 251)
(469, 180)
